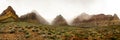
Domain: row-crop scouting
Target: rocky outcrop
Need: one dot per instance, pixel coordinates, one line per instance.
(97, 20)
(33, 17)
(80, 18)
(59, 20)
(115, 17)
(8, 13)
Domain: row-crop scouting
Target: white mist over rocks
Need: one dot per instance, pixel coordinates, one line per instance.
(69, 9)
(40, 18)
(84, 16)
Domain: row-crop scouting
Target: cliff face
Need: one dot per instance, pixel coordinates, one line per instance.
(33, 18)
(97, 20)
(59, 20)
(8, 14)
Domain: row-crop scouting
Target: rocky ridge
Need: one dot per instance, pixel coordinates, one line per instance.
(97, 20)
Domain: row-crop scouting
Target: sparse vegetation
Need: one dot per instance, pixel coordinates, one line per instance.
(58, 32)
(27, 35)
(12, 31)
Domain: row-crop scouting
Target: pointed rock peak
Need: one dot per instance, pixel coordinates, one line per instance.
(115, 14)
(115, 17)
(59, 20)
(59, 16)
(9, 7)
(8, 13)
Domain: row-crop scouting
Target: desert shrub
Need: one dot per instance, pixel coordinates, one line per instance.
(27, 35)
(17, 27)
(12, 31)
(35, 27)
(24, 31)
(52, 31)
(113, 38)
(40, 32)
(35, 30)
(59, 33)
(28, 27)
(49, 33)
(53, 37)
(10, 27)
(21, 30)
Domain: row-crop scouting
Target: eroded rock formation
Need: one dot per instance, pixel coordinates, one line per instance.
(80, 18)
(97, 20)
(8, 13)
(59, 20)
(33, 17)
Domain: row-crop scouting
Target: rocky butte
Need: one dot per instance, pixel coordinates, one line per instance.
(59, 20)
(96, 20)
(8, 15)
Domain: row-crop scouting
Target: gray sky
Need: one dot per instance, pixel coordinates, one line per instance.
(49, 9)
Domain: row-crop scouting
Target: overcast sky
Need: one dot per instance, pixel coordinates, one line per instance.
(49, 9)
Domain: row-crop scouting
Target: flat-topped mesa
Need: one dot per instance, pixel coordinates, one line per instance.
(97, 20)
(8, 13)
(59, 20)
(33, 17)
